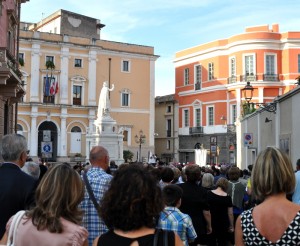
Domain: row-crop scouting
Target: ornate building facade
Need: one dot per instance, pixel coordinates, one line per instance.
(209, 82)
(65, 65)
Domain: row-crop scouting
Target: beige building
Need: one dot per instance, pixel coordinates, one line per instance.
(166, 128)
(65, 49)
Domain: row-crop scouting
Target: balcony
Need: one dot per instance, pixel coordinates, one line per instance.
(271, 77)
(196, 130)
(232, 79)
(246, 78)
(231, 128)
(197, 86)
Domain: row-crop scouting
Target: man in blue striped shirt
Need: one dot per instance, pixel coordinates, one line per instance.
(99, 181)
(172, 219)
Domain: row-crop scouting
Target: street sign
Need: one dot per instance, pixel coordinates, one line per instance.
(248, 139)
(46, 147)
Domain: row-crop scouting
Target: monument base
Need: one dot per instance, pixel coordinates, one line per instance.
(106, 134)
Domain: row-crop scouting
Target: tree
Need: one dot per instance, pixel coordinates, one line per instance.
(127, 155)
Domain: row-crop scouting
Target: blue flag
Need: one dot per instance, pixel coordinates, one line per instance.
(47, 86)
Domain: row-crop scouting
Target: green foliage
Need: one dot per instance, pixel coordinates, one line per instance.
(50, 65)
(248, 108)
(127, 155)
(21, 62)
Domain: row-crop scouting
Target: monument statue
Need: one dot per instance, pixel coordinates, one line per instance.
(104, 103)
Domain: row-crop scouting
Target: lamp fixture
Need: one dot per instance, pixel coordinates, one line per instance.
(248, 95)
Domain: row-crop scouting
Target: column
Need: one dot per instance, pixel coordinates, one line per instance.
(63, 82)
(36, 85)
(33, 132)
(92, 93)
(63, 132)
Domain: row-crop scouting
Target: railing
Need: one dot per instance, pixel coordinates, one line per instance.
(231, 128)
(10, 60)
(198, 86)
(232, 79)
(196, 130)
(248, 78)
(271, 77)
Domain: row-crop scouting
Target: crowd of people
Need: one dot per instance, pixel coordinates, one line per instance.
(143, 204)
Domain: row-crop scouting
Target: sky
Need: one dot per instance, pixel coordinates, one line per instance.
(172, 25)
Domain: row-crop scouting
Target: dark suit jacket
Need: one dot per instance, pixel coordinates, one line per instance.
(16, 192)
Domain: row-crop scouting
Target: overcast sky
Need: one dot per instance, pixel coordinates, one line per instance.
(172, 25)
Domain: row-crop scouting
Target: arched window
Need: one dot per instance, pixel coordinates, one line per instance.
(19, 129)
(76, 129)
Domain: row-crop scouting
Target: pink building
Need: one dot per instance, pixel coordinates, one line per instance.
(11, 89)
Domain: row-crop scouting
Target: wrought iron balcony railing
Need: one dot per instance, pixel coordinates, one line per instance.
(198, 86)
(196, 130)
(271, 77)
(250, 77)
(232, 79)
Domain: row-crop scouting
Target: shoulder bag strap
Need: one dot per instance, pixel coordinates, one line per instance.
(165, 233)
(156, 236)
(91, 194)
(13, 227)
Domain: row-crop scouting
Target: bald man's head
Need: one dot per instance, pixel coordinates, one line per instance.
(99, 157)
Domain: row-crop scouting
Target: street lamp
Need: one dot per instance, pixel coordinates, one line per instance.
(248, 94)
(140, 139)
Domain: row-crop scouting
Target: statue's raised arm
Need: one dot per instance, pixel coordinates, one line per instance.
(104, 102)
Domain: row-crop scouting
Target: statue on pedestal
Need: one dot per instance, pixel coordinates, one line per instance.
(104, 102)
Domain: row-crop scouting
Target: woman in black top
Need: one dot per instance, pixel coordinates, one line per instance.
(130, 208)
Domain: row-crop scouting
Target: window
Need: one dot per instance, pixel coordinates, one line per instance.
(270, 64)
(249, 62)
(210, 71)
(78, 62)
(76, 129)
(169, 127)
(125, 99)
(77, 94)
(168, 144)
(298, 63)
(233, 114)
(50, 58)
(55, 30)
(197, 117)
(198, 77)
(186, 118)
(21, 56)
(232, 67)
(125, 66)
(125, 136)
(210, 114)
(186, 76)
(169, 109)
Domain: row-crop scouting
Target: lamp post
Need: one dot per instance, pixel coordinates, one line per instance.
(248, 94)
(140, 139)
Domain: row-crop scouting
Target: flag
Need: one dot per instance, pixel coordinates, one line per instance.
(47, 86)
(53, 87)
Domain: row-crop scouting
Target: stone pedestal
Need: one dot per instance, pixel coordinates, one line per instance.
(107, 134)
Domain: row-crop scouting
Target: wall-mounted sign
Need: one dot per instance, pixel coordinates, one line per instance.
(248, 139)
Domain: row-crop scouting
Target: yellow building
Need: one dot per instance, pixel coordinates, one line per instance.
(56, 122)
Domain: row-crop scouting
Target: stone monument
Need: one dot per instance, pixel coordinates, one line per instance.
(106, 132)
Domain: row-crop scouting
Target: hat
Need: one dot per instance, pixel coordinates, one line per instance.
(171, 194)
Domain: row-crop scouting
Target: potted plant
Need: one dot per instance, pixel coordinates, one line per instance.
(127, 155)
(50, 65)
(21, 62)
